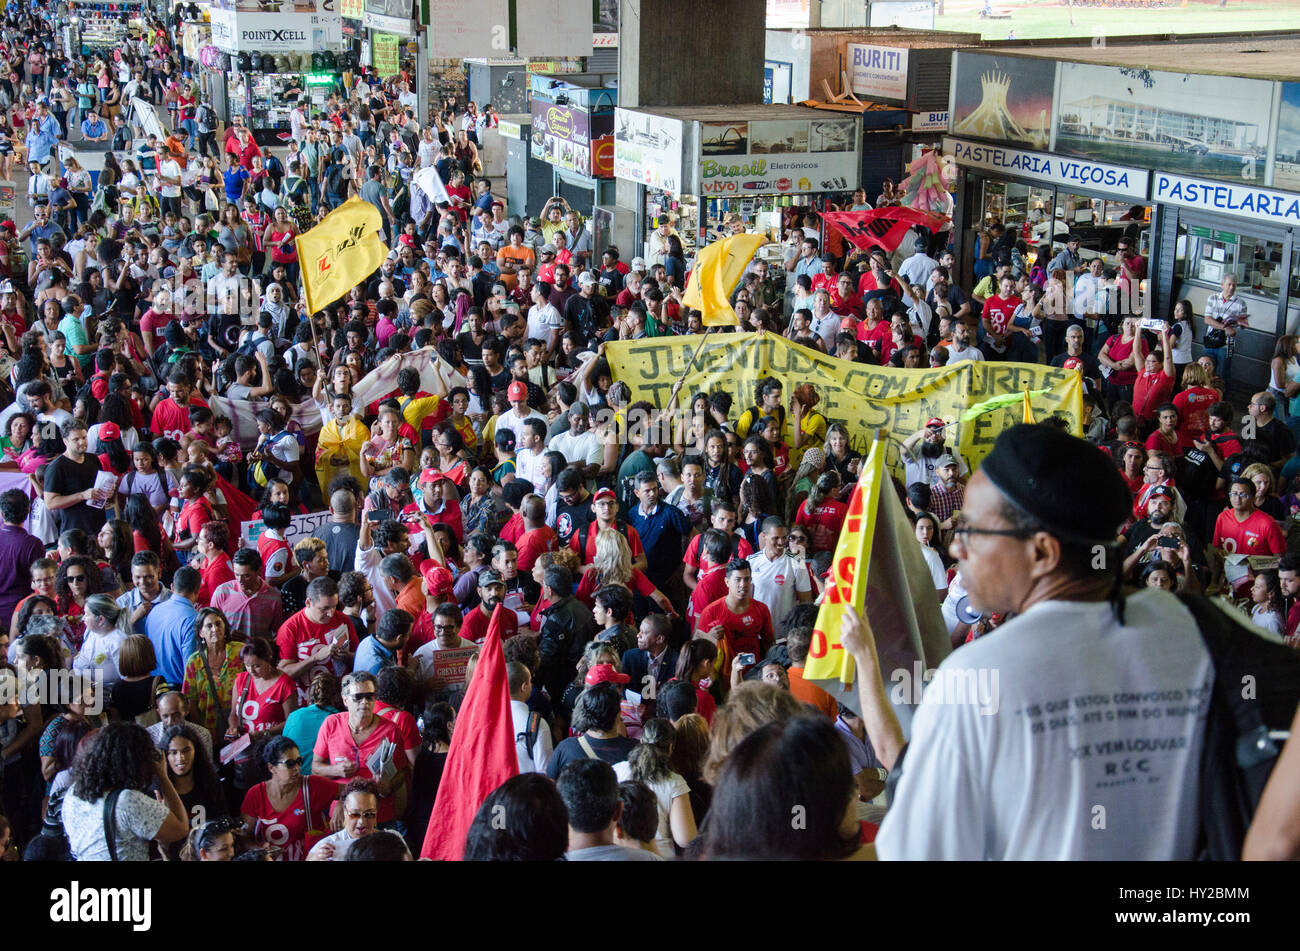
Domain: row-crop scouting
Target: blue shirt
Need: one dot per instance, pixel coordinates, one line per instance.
(131, 600)
(235, 178)
(810, 266)
(93, 129)
(46, 231)
(372, 656)
(171, 630)
(41, 137)
(662, 533)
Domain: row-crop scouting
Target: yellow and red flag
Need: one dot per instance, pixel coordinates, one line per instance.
(340, 252)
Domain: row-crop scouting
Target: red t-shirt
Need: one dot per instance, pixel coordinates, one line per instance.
(215, 572)
(512, 529)
(300, 635)
(171, 420)
(868, 282)
(590, 584)
(589, 554)
(1257, 535)
(998, 311)
(195, 514)
(261, 711)
(288, 829)
(1150, 390)
(823, 522)
(276, 556)
(475, 627)
(875, 336)
(747, 632)
(712, 585)
(695, 555)
(1157, 441)
(1194, 412)
(403, 721)
(334, 746)
(532, 544)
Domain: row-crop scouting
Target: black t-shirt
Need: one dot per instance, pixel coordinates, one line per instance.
(1277, 437)
(611, 279)
(571, 518)
(612, 751)
(65, 477)
(1091, 368)
(340, 540)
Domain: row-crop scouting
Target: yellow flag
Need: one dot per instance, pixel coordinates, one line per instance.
(1029, 411)
(847, 584)
(717, 271)
(340, 252)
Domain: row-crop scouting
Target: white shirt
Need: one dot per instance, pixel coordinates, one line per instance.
(342, 842)
(515, 423)
(957, 354)
(528, 465)
(935, 563)
(169, 168)
(534, 760)
(918, 467)
(99, 652)
(580, 449)
(828, 328)
(367, 562)
(918, 268)
(544, 322)
(776, 583)
(1060, 742)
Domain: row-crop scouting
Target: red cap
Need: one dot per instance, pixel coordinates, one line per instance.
(935, 421)
(437, 578)
(8, 225)
(109, 431)
(605, 493)
(517, 390)
(430, 476)
(407, 240)
(605, 673)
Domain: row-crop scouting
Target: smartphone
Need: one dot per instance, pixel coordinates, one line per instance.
(1167, 541)
(380, 515)
(746, 659)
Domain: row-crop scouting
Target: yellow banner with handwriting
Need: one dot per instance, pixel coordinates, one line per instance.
(864, 398)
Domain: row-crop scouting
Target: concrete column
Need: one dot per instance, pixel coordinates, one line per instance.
(691, 52)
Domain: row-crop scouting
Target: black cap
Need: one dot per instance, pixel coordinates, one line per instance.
(1066, 483)
(1073, 239)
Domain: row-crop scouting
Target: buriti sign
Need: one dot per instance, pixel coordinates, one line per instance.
(1117, 180)
(1260, 204)
(878, 71)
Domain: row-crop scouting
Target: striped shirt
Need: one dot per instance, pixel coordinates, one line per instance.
(257, 615)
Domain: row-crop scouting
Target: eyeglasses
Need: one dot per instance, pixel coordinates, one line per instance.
(371, 814)
(291, 763)
(445, 627)
(1153, 468)
(964, 531)
(74, 578)
(363, 698)
(1240, 495)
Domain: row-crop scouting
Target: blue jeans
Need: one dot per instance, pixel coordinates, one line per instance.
(1222, 360)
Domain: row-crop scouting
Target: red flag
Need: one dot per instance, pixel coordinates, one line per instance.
(882, 227)
(482, 755)
(239, 509)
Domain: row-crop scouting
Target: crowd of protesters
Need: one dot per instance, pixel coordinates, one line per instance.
(659, 567)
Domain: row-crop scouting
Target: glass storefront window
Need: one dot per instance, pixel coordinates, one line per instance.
(1210, 254)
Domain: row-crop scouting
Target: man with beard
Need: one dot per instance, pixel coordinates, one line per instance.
(922, 451)
(491, 589)
(962, 348)
(1142, 541)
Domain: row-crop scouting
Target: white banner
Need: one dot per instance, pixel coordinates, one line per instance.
(1116, 180)
(461, 29)
(430, 182)
(548, 28)
(300, 527)
(247, 32)
(878, 71)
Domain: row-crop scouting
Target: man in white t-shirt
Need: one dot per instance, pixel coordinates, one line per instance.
(532, 733)
(779, 582)
(544, 321)
(169, 181)
(962, 348)
(579, 445)
(513, 419)
(925, 452)
(530, 450)
(1088, 744)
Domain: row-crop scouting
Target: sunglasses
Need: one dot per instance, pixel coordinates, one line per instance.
(74, 578)
(291, 763)
(363, 815)
(363, 697)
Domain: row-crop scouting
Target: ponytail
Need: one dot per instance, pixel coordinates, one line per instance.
(649, 761)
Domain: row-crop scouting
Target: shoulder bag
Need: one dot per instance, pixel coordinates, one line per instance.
(110, 823)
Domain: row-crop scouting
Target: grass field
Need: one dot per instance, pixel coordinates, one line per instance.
(1039, 19)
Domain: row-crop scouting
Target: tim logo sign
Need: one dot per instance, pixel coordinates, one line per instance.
(77, 905)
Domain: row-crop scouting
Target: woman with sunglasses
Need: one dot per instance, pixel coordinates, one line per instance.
(347, 741)
(289, 807)
(77, 579)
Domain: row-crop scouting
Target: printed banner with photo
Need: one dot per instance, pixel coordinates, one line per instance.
(1212, 126)
(1003, 98)
(784, 155)
(1286, 158)
(648, 149)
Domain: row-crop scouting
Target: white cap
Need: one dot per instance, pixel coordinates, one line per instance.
(585, 278)
(638, 264)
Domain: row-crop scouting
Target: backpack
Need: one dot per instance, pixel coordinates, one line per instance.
(585, 532)
(264, 470)
(525, 741)
(1243, 736)
(249, 347)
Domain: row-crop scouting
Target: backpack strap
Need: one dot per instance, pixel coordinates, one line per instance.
(110, 823)
(586, 746)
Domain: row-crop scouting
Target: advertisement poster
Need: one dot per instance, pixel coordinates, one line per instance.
(1215, 126)
(781, 159)
(1286, 160)
(878, 71)
(385, 53)
(648, 149)
(724, 138)
(560, 136)
(778, 137)
(1004, 98)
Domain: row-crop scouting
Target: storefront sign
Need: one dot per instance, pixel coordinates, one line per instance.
(510, 130)
(384, 51)
(555, 66)
(247, 32)
(648, 149)
(465, 28)
(930, 122)
(398, 26)
(779, 156)
(878, 71)
(1259, 204)
(560, 136)
(1113, 180)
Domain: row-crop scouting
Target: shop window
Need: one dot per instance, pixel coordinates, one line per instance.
(1210, 255)
(1101, 223)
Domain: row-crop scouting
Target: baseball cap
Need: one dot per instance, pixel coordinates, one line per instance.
(945, 460)
(605, 673)
(1165, 490)
(604, 493)
(437, 578)
(1072, 239)
(638, 264)
(489, 576)
(579, 409)
(586, 278)
(517, 390)
(548, 248)
(109, 431)
(935, 422)
(430, 476)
